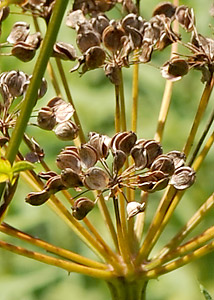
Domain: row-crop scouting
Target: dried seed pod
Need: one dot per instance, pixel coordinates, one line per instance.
(127, 142)
(15, 81)
(178, 157)
(100, 143)
(152, 181)
(185, 17)
(4, 13)
(66, 131)
(140, 158)
(133, 208)
(119, 160)
(96, 179)
(69, 159)
(82, 206)
(164, 164)
(34, 40)
(19, 32)
(54, 184)
(112, 37)
(183, 178)
(43, 87)
(123, 141)
(47, 175)
(146, 52)
(94, 58)
(46, 118)
(164, 8)
(23, 51)
(153, 149)
(38, 198)
(174, 69)
(130, 21)
(88, 155)
(70, 179)
(99, 23)
(63, 111)
(87, 40)
(64, 51)
(75, 18)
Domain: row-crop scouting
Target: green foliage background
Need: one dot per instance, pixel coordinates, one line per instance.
(93, 94)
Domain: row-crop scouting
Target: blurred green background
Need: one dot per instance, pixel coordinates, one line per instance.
(93, 94)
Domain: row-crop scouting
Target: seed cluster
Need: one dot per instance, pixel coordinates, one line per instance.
(151, 171)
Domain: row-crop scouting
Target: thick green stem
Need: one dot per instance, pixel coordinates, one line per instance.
(121, 289)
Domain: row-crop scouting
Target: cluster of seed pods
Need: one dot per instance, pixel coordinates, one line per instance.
(91, 167)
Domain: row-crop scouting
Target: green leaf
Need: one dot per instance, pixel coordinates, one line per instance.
(22, 166)
(205, 293)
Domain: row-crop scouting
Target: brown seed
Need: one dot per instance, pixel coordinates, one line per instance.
(183, 178)
(19, 32)
(119, 160)
(164, 164)
(70, 179)
(37, 198)
(140, 158)
(46, 118)
(87, 40)
(88, 155)
(165, 8)
(112, 38)
(66, 131)
(96, 179)
(82, 207)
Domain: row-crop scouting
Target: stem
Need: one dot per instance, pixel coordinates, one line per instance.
(39, 69)
(204, 134)
(135, 84)
(167, 95)
(155, 224)
(204, 152)
(174, 265)
(125, 290)
(194, 243)
(140, 219)
(63, 264)
(190, 225)
(9, 230)
(70, 100)
(38, 72)
(117, 109)
(122, 242)
(122, 103)
(201, 109)
(104, 210)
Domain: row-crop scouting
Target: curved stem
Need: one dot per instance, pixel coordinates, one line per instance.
(201, 109)
(63, 264)
(9, 230)
(174, 265)
(190, 225)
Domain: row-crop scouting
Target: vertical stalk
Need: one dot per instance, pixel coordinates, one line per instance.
(117, 109)
(68, 94)
(122, 103)
(201, 109)
(135, 84)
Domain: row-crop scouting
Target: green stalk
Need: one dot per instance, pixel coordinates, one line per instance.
(38, 72)
(117, 109)
(190, 225)
(122, 103)
(32, 91)
(135, 90)
(194, 243)
(9, 230)
(201, 109)
(63, 264)
(69, 97)
(174, 265)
